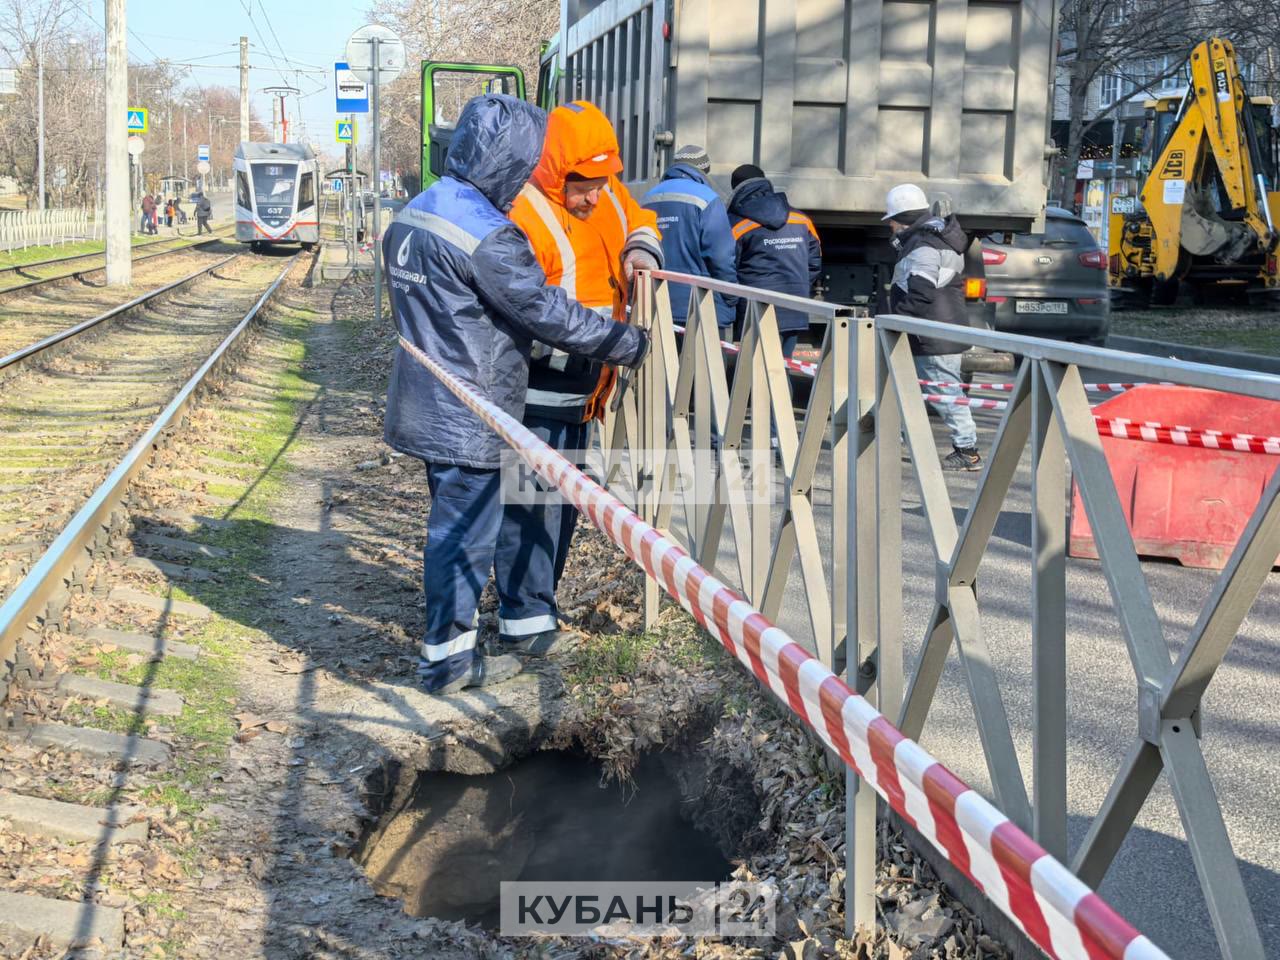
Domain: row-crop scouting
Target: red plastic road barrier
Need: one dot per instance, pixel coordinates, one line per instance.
(1181, 500)
(1055, 910)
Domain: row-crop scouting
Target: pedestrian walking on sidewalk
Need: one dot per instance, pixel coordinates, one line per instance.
(467, 290)
(928, 283)
(149, 214)
(204, 210)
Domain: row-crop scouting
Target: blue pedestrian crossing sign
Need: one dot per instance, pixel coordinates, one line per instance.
(336, 185)
(345, 131)
(138, 120)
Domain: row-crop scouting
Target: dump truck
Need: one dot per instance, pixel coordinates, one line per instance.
(836, 101)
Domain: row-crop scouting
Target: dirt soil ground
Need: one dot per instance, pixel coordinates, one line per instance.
(315, 723)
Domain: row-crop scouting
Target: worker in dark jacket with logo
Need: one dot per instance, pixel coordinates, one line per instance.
(928, 282)
(466, 290)
(777, 247)
(696, 235)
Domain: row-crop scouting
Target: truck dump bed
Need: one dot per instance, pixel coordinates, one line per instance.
(836, 101)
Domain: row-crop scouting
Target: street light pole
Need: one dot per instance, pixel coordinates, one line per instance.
(377, 184)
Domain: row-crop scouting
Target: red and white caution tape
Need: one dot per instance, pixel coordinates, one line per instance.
(977, 403)
(1008, 387)
(1123, 429)
(1047, 902)
(796, 366)
(1150, 431)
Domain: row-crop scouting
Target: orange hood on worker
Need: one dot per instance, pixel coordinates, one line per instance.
(582, 256)
(580, 139)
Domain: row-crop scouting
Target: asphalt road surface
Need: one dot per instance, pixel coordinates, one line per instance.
(1152, 882)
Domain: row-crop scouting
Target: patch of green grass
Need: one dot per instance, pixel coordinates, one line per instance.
(162, 903)
(75, 793)
(173, 795)
(59, 250)
(208, 684)
(1223, 328)
(620, 656)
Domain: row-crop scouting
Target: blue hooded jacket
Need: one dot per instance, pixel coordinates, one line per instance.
(466, 289)
(696, 236)
(778, 248)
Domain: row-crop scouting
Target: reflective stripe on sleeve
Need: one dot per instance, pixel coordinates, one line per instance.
(553, 398)
(675, 196)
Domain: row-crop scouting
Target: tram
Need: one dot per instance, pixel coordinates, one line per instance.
(277, 187)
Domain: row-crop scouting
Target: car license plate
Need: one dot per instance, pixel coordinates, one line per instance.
(1041, 306)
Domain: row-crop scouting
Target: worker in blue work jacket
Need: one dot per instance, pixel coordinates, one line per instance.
(777, 247)
(696, 235)
(466, 290)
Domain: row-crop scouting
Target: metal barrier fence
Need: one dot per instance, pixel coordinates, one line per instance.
(1053, 908)
(33, 228)
(683, 403)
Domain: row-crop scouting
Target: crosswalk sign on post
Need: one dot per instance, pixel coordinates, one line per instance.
(138, 122)
(345, 131)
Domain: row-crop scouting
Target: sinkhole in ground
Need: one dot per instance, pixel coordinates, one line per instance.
(453, 838)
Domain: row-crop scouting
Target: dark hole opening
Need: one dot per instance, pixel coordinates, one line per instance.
(550, 818)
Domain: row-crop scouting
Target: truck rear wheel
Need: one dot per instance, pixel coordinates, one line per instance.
(1164, 292)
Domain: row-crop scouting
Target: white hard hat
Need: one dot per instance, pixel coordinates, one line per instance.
(904, 198)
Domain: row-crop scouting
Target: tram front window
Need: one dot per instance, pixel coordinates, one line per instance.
(274, 186)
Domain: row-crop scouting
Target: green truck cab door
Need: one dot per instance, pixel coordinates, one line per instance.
(446, 88)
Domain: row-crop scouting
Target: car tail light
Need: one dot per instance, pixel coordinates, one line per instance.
(1094, 258)
(993, 258)
(975, 288)
(997, 299)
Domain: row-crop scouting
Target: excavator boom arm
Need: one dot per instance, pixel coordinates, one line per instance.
(1213, 131)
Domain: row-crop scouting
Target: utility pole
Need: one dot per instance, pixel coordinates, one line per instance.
(118, 207)
(377, 184)
(186, 172)
(40, 43)
(244, 89)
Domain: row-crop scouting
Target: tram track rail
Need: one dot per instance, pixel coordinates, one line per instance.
(77, 410)
(45, 347)
(25, 270)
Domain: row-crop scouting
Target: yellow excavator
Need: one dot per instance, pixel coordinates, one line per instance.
(1207, 212)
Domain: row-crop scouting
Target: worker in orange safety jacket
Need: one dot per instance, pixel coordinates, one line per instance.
(589, 236)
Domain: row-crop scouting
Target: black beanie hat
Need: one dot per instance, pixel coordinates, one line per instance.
(748, 171)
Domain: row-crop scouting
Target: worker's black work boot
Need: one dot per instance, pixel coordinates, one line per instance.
(484, 672)
(967, 458)
(548, 643)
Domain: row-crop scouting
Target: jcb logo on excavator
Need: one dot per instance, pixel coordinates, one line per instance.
(1220, 82)
(1175, 166)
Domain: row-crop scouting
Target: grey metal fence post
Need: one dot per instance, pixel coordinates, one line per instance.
(651, 409)
(861, 588)
(1048, 622)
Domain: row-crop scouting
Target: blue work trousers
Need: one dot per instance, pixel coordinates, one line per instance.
(533, 542)
(462, 530)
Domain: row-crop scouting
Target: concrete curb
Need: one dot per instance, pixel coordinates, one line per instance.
(1181, 351)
